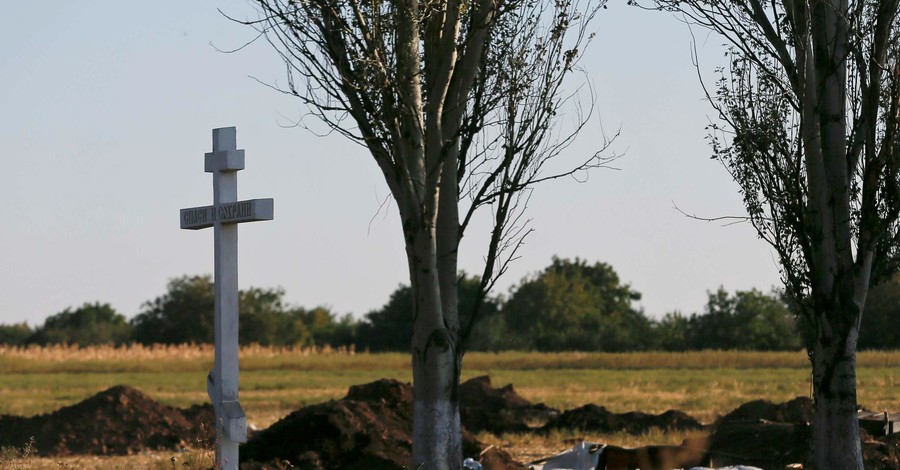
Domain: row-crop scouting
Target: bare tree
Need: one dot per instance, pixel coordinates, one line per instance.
(458, 102)
(810, 115)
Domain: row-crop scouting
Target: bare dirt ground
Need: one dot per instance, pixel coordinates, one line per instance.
(370, 428)
(118, 421)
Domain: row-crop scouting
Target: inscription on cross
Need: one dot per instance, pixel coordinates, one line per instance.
(226, 212)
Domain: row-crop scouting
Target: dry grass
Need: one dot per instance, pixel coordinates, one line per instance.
(66, 353)
(137, 357)
(12, 458)
(188, 459)
(186, 357)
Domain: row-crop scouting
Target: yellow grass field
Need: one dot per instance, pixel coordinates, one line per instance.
(277, 381)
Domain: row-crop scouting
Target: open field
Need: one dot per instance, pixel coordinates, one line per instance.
(275, 382)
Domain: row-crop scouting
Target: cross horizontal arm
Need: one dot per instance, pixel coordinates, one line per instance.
(251, 210)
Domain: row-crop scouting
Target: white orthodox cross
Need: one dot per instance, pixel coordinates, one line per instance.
(226, 212)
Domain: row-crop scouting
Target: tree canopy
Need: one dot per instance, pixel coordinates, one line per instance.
(568, 290)
(747, 320)
(184, 314)
(572, 305)
(879, 322)
(387, 329)
(90, 324)
(16, 334)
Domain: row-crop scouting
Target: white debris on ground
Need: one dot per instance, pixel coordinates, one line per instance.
(471, 464)
(584, 456)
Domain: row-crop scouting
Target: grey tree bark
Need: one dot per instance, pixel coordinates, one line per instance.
(809, 109)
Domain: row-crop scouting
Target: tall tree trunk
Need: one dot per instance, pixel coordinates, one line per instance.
(835, 425)
(836, 443)
(436, 436)
(448, 238)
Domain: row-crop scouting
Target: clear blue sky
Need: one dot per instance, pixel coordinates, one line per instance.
(106, 109)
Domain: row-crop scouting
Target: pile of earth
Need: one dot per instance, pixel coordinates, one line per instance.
(369, 428)
(774, 435)
(799, 410)
(371, 425)
(763, 434)
(498, 410)
(117, 421)
(597, 419)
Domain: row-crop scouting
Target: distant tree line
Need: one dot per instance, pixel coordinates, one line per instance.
(184, 314)
(570, 305)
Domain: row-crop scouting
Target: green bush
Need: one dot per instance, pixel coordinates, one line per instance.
(90, 324)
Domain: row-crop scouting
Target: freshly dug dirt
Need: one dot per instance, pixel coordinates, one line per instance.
(203, 418)
(118, 421)
(498, 410)
(772, 435)
(763, 444)
(767, 444)
(797, 411)
(369, 428)
(763, 434)
(594, 418)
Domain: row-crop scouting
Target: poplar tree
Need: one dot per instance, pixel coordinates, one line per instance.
(457, 101)
(809, 108)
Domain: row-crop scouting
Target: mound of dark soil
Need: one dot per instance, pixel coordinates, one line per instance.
(797, 411)
(767, 444)
(497, 410)
(772, 435)
(763, 434)
(369, 428)
(594, 418)
(759, 443)
(117, 421)
(203, 419)
(387, 391)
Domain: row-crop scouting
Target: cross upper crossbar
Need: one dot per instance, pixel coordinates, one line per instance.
(225, 155)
